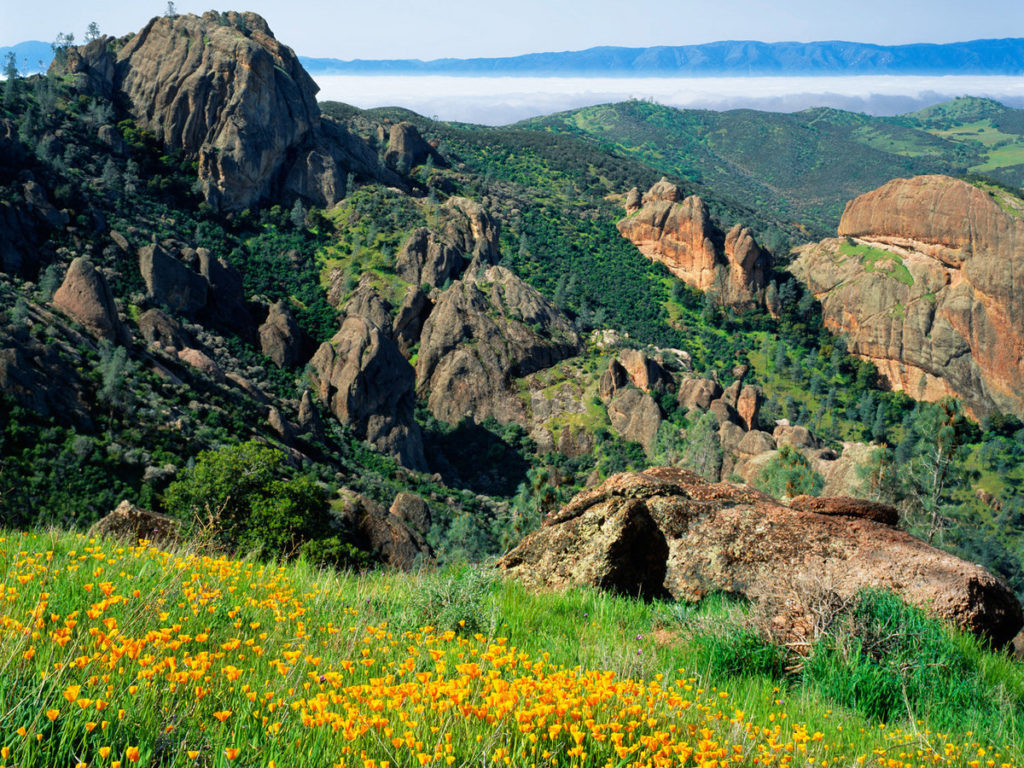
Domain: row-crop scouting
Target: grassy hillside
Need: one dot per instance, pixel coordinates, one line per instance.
(118, 655)
(803, 167)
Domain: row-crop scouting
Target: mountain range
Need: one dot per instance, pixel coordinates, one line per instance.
(728, 57)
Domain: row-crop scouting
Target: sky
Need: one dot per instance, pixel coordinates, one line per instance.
(416, 29)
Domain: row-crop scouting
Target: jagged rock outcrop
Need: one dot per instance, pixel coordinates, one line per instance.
(697, 392)
(468, 226)
(646, 373)
(925, 282)
(85, 297)
(426, 259)
(281, 339)
(195, 284)
(408, 323)
(411, 510)
(170, 283)
(309, 421)
(678, 231)
(664, 531)
(486, 330)
(366, 302)
(221, 89)
(366, 383)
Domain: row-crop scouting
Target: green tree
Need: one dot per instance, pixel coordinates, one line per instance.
(92, 32)
(703, 452)
(789, 474)
(244, 495)
(11, 83)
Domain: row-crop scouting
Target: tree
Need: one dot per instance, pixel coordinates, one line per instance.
(61, 46)
(244, 495)
(789, 474)
(171, 12)
(92, 32)
(703, 452)
(298, 215)
(11, 84)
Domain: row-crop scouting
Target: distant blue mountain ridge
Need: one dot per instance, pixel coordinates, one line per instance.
(728, 57)
(743, 57)
(30, 57)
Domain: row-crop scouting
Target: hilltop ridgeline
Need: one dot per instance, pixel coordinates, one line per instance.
(223, 91)
(925, 280)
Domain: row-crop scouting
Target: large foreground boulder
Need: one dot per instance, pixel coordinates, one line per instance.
(665, 531)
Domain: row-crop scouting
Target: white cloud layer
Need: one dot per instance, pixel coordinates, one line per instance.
(503, 100)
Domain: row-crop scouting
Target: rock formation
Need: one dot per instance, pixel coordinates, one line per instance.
(85, 297)
(221, 89)
(484, 331)
(924, 280)
(383, 533)
(406, 148)
(678, 231)
(132, 523)
(281, 338)
(366, 383)
(665, 532)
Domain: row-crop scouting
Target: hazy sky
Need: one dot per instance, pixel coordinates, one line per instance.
(467, 28)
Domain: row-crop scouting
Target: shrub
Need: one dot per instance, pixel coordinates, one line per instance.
(888, 660)
(240, 494)
(457, 599)
(789, 474)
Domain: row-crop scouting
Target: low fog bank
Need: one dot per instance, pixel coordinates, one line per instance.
(503, 100)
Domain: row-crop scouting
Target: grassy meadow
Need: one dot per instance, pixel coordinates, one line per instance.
(117, 655)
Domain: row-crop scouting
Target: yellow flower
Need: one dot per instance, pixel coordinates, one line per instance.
(231, 752)
(222, 715)
(132, 753)
(192, 754)
(52, 714)
(104, 752)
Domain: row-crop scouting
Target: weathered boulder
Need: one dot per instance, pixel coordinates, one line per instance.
(485, 331)
(748, 405)
(702, 538)
(157, 327)
(406, 148)
(85, 297)
(366, 302)
(796, 436)
(635, 416)
(202, 362)
(281, 339)
(412, 510)
(698, 393)
(646, 373)
(633, 201)
(924, 280)
(392, 541)
(133, 523)
(366, 383)
(612, 380)
(309, 420)
(678, 231)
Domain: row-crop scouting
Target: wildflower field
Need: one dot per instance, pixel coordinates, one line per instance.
(112, 655)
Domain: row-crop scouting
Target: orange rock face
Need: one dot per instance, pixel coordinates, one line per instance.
(927, 285)
(678, 231)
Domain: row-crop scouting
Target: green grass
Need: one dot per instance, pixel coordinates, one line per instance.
(878, 260)
(181, 658)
